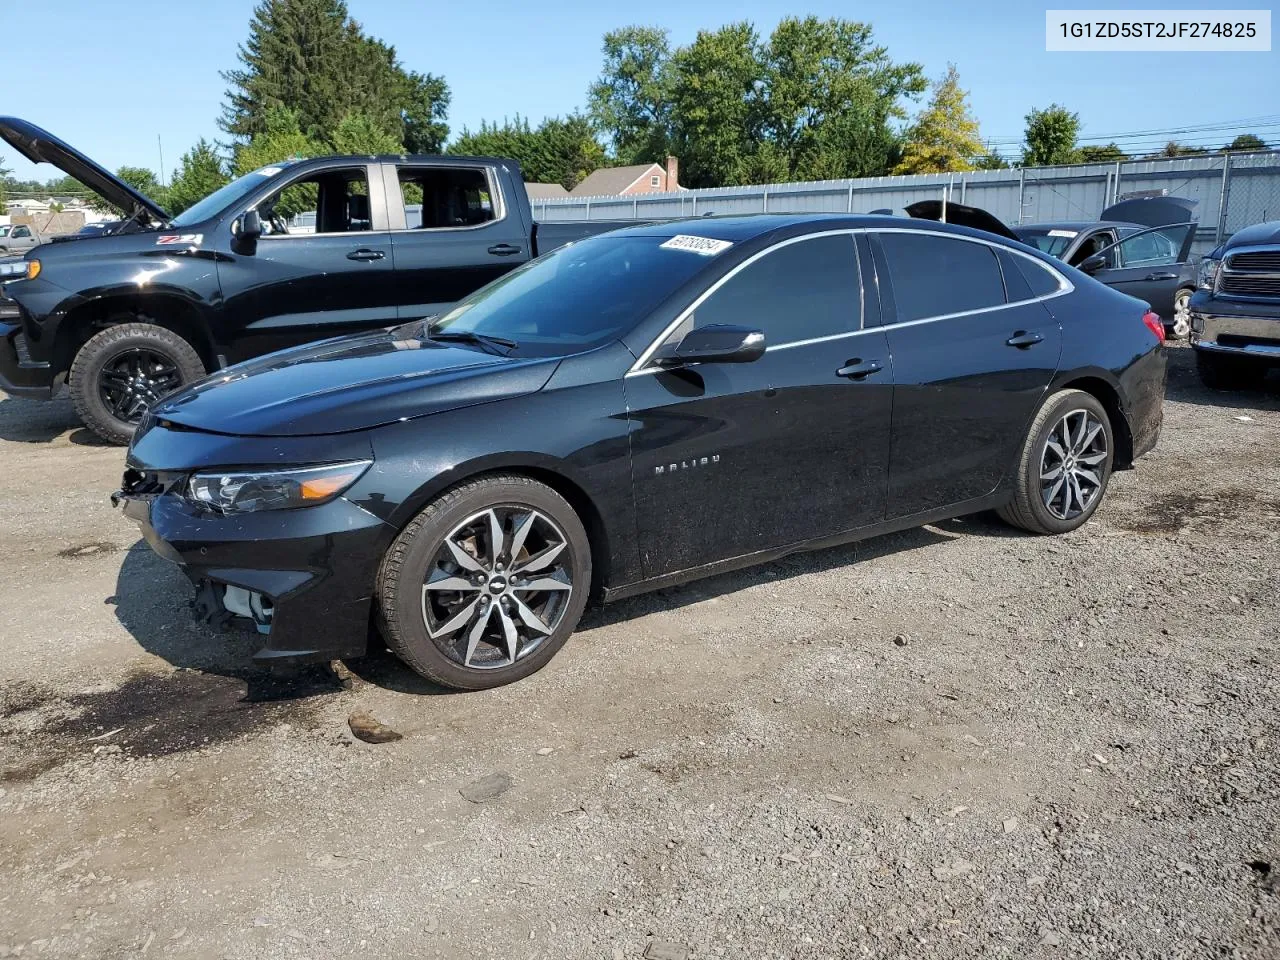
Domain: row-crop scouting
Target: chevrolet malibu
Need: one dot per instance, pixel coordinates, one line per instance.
(634, 411)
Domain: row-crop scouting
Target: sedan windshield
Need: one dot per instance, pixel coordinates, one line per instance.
(575, 298)
(1052, 242)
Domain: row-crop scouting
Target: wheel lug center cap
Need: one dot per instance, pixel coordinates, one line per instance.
(497, 584)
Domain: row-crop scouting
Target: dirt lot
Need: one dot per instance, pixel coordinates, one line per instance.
(953, 742)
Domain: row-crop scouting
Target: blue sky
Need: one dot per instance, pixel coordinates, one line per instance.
(111, 77)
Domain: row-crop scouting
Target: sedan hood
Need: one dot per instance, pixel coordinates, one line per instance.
(957, 213)
(351, 383)
(1152, 211)
(40, 146)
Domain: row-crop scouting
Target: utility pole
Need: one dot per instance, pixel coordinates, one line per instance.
(160, 145)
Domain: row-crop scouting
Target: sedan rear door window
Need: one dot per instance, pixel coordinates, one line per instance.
(937, 275)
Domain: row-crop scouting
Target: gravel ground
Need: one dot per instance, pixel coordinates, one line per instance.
(957, 741)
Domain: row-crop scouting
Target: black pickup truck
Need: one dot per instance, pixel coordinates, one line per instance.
(298, 251)
(1235, 312)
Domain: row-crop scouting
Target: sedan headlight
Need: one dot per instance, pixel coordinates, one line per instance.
(1208, 273)
(19, 270)
(246, 491)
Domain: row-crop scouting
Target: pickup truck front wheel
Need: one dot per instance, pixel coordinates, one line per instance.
(123, 370)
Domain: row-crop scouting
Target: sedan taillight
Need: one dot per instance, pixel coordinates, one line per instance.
(1154, 324)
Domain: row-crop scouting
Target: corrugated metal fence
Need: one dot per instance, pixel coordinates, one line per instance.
(1233, 190)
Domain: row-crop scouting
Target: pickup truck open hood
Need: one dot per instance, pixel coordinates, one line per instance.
(350, 383)
(959, 214)
(40, 146)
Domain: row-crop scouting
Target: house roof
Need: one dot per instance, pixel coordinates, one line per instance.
(545, 190)
(611, 181)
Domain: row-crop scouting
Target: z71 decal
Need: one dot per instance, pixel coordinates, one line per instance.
(179, 239)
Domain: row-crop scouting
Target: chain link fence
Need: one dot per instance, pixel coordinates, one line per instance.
(1232, 191)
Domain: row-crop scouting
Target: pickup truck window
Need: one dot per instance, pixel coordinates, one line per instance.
(339, 199)
(20, 231)
(442, 198)
(577, 297)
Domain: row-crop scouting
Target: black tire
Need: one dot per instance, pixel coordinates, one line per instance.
(1218, 372)
(414, 555)
(1178, 329)
(121, 345)
(1028, 508)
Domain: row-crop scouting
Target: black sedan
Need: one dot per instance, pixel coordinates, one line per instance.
(634, 411)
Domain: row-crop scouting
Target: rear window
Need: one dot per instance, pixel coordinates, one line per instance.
(935, 275)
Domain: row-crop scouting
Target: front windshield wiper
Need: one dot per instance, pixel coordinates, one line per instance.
(470, 336)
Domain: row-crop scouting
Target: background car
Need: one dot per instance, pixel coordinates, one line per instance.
(1140, 246)
(633, 411)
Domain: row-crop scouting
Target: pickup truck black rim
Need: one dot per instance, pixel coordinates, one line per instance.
(1072, 464)
(497, 586)
(133, 380)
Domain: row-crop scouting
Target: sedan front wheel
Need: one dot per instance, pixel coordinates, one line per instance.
(485, 584)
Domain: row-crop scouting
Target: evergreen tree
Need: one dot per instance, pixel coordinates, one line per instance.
(200, 172)
(1106, 153)
(945, 135)
(358, 133)
(560, 150)
(310, 57)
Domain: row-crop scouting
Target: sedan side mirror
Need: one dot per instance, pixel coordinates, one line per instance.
(715, 343)
(1093, 264)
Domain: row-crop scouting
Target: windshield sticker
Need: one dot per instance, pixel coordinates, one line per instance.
(703, 245)
(1062, 233)
(179, 239)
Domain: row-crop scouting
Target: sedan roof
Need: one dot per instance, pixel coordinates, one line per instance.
(740, 228)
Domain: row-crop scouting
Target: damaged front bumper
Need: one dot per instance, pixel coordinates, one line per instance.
(304, 577)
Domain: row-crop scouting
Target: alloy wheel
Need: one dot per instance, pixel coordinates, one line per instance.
(497, 586)
(132, 381)
(1072, 464)
(1182, 314)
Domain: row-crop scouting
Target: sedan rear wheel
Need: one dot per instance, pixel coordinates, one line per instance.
(1065, 465)
(486, 584)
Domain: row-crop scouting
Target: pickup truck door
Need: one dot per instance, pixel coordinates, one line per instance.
(304, 282)
(1147, 264)
(452, 231)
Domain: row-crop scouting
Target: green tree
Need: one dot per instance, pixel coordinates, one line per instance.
(310, 57)
(280, 139)
(1105, 153)
(426, 105)
(716, 111)
(1247, 141)
(945, 135)
(817, 99)
(200, 172)
(1175, 149)
(560, 150)
(4, 180)
(359, 133)
(1051, 137)
(145, 182)
(631, 100)
(829, 99)
(990, 160)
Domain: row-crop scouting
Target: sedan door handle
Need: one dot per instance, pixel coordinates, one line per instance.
(1162, 276)
(504, 250)
(1023, 339)
(858, 369)
(365, 254)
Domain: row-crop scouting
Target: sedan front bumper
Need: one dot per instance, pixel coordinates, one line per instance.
(310, 570)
